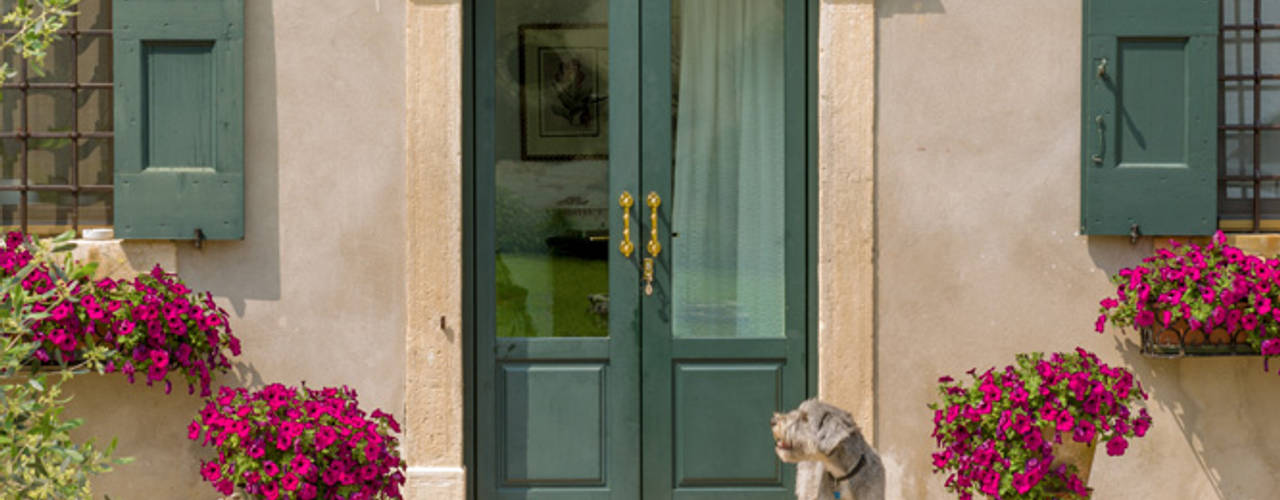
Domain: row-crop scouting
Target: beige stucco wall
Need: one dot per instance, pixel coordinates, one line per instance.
(979, 258)
(316, 289)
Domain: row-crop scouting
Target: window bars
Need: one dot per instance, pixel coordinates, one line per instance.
(60, 124)
(1246, 193)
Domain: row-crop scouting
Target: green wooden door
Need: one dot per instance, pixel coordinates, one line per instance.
(723, 332)
(596, 378)
(557, 354)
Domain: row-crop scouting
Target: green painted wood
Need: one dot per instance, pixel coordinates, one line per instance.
(658, 445)
(487, 420)
(179, 118)
(655, 390)
(691, 382)
(811, 196)
(469, 331)
(507, 348)
(1149, 122)
(715, 452)
(553, 430)
(179, 105)
(558, 418)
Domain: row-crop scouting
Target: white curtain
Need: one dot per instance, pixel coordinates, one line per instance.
(728, 262)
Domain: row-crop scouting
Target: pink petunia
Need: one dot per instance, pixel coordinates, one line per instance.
(289, 482)
(211, 472)
(1065, 421)
(1270, 347)
(1117, 445)
(1084, 432)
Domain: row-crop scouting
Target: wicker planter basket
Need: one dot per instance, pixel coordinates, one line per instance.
(1179, 341)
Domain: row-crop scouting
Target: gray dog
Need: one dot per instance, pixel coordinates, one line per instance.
(835, 462)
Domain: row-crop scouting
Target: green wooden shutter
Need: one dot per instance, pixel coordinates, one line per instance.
(179, 118)
(1149, 122)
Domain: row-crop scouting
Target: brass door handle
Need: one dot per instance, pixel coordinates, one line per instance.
(654, 202)
(653, 247)
(626, 201)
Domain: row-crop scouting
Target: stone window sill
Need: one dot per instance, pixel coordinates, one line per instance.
(1263, 245)
(127, 258)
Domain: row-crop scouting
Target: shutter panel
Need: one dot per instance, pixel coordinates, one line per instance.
(179, 118)
(1149, 123)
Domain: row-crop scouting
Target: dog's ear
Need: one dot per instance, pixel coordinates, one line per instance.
(834, 427)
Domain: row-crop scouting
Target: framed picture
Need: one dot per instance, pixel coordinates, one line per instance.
(564, 70)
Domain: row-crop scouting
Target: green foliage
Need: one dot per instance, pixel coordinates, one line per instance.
(36, 23)
(38, 458)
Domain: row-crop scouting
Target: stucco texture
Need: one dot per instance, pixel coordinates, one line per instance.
(977, 203)
(316, 288)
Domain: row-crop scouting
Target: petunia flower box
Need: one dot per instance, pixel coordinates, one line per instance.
(1199, 300)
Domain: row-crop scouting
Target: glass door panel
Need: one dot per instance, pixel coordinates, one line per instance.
(551, 168)
(729, 169)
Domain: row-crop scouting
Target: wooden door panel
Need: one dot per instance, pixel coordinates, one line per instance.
(721, 419)
(555, 431)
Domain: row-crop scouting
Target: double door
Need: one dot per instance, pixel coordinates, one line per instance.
(640, 246)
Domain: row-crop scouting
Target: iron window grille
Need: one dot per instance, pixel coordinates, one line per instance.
(56, 139)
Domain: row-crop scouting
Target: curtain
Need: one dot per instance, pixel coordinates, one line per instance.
(727, 256)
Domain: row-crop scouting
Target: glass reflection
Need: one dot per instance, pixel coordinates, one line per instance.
(551, 184)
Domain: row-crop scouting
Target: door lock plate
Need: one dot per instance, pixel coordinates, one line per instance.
(648, 276)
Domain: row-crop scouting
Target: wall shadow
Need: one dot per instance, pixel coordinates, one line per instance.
(1223, 407)
(1113, 253)
(249, 269)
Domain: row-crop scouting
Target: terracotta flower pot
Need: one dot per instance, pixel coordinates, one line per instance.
(1070, 452)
